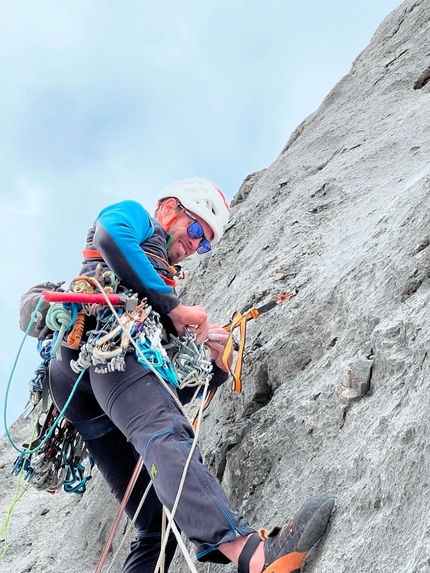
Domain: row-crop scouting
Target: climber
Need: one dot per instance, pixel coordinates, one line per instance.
(126, 412)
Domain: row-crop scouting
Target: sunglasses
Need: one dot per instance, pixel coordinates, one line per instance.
(195, 231)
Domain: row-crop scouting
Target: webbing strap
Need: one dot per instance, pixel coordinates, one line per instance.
(248, 551)
(91, 254)
(239, 321)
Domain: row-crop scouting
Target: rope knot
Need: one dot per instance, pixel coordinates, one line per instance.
(58, 319)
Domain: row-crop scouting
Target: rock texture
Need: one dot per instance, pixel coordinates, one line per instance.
(336, 381)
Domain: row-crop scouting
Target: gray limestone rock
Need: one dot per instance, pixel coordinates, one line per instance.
(336, 380)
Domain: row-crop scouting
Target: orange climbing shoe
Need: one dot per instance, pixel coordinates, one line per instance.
(286, 548)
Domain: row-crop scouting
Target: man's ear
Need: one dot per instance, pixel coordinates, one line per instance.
(167, 212)
(168, 206)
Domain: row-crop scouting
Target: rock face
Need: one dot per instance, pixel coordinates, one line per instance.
(336, 381)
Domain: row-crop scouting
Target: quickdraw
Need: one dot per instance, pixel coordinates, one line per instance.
(58, 463)
(192, 363)
(37, 387)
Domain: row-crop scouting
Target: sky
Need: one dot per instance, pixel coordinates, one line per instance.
(103, 101)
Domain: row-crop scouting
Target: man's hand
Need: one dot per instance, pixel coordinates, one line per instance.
(216, 340)
(195, 318)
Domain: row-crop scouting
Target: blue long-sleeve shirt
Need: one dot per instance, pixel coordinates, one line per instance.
(122, 233)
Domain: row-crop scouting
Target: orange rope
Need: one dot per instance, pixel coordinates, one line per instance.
(118, 516)
(77, 331)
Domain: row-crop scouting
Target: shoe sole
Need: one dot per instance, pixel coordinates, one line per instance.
(289, 563)
(316, 513)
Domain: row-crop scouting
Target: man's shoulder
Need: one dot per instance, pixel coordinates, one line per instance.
(130, 205)
(128, 211)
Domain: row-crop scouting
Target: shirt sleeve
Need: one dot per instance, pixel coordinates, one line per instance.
(120, 230)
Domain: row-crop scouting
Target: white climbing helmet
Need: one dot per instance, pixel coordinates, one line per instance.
(202, 198)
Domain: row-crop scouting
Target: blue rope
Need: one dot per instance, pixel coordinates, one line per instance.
(153, 359)
(74, 308)
(33, 316)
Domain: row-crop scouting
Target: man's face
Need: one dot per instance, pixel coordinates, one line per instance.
(182, 245)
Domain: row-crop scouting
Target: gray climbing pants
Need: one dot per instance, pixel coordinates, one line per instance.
(122, 414)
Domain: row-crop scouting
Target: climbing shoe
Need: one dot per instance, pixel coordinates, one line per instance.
(286, 548)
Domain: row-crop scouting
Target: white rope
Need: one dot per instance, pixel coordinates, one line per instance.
(164, 535)
(129, 526)
(181, 543)
(181, 486)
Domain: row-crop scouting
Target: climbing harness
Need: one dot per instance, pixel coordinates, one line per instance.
(189, 363)
(134, 323)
